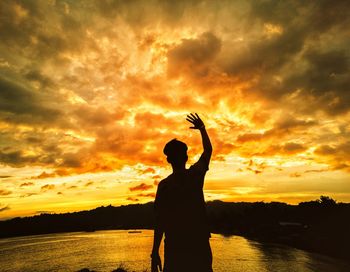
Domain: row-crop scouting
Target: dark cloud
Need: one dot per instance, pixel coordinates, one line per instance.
(47, 187)
(89, 183)
(71, 160)
(140, 14)
(289, 123)
(4, 208)
(149, 195)
(130, 198)
(147, 170)
(47, 146)
(25, 184)
(28, 195)
(16, 158)
(326, 79)
(295, 175)
(36, 76)
(326, 150)
(249, 137)
(282, 127)
(193, 56)
(287, 149)
(141, 187)
(308, 53)
(96, 117)
(337, 156)
(255, 167)
(292, 148)
(44, 175)
(19, 104)
(49, 28)
(5, 192)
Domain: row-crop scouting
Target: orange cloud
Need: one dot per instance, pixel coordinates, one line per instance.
(337, 156)
(44, 175)
(89, 183)
(134, 199)
(47, 187)
(147, 170)
(141, 187)
(26, 184)
(5, 192)
(4, 208)
(149, 195)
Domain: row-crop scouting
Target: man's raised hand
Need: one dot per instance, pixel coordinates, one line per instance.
(195, 121)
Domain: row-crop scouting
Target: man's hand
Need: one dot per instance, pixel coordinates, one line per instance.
(207, 148)
(195, 121)
(156, 263)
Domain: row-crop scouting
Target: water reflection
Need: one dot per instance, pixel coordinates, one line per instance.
(239, 254)
(106, 250)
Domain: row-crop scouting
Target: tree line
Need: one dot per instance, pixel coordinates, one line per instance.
(320, 225)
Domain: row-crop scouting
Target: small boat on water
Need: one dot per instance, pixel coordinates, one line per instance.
(134, 231)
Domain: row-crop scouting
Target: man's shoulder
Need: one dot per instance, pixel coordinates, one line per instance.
(164, 181)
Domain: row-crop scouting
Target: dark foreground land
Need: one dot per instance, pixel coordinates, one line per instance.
(321, 226)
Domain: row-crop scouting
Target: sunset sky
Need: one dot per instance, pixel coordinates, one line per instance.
(90, 92)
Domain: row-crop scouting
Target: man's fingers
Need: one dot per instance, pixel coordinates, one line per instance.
(189, 120)
(190, 117)
(193, 116)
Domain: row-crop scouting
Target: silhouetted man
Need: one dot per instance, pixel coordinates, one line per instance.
(180, 210)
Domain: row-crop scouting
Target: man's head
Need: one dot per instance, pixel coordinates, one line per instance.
(176, 152)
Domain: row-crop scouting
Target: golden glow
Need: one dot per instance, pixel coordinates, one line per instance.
(272, 29)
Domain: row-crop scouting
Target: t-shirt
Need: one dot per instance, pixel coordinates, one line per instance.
(180, 206)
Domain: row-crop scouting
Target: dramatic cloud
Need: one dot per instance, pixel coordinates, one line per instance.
(193, 56)
(338, 156)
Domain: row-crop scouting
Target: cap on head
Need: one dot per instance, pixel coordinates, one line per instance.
(176, 152)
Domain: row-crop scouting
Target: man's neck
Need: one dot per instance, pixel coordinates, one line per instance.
(177, 169)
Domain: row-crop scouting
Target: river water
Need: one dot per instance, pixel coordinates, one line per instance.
(107, 250)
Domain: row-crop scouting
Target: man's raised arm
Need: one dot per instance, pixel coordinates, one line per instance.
(198, 124)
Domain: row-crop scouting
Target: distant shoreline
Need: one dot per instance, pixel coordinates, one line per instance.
(320, 226)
